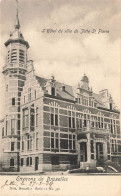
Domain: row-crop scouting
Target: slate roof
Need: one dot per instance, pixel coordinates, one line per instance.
(67, 94)
(69, 91)
(98, 100)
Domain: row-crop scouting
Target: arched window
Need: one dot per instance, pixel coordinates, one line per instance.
(12, 162)
(53, 91)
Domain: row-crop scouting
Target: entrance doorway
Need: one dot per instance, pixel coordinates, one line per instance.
(36, 163)
(99, 153)
(83, 152)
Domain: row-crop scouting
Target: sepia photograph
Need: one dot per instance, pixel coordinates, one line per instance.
(60, 96)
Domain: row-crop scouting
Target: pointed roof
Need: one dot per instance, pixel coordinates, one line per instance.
(16, 36)
(17, 23)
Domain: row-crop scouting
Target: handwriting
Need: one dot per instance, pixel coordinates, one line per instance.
(36, 183)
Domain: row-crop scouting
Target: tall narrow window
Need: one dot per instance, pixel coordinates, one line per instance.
(27, 161)
(56, 120)
(85, 121)
(52, 119)
(37, 141)
(101, 122)
(35, 94)
(54, 140)
(12, 126)
(25, 119)
(21, 56)
(54, 116)
(37, 117)
(29, 142)
(72, 142)
(64, 141)
(71, 119)
(32, 118)
(110, 106)
(53, 91)
(22, 161)
(80, 123)
(29, 94)
(73, 122)
(111, 126)
(22, 145)
(30, 160)
(13, 101)
(6, 125)
(3, 132)
(12, 146)
(12, 162)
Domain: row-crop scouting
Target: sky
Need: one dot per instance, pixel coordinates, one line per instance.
(68, 55)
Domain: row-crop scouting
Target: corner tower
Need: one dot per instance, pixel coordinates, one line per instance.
(15, 75)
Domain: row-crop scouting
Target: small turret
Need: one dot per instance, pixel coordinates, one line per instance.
(85, 82)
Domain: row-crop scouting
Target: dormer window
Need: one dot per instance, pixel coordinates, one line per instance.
(110, 106)
(63, 88)
(53, 91)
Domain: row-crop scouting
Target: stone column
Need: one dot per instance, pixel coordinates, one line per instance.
(88, 148)
(94, 150)
(78, 148)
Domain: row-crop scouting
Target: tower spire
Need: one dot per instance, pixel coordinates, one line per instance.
(17, 24)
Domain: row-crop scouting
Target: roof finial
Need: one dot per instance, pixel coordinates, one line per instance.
(17, 24)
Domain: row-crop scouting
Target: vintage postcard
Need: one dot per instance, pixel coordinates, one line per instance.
(60, 97)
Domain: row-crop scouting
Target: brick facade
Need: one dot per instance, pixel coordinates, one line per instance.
(52, 126)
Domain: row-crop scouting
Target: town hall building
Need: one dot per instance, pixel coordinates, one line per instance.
(49, 125)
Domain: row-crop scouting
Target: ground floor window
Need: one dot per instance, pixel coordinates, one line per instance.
(12, 146)
(28, 161)
(22, 161)
(12, 162)
(54, 140)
